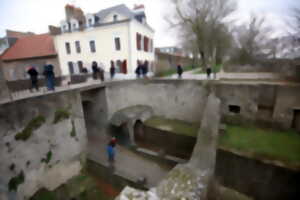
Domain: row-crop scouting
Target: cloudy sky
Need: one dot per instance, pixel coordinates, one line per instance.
(36, 15)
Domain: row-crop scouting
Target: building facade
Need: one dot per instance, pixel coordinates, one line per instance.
(29, 50)
(116, 36)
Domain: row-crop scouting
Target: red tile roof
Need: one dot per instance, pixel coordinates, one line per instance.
(33, 46)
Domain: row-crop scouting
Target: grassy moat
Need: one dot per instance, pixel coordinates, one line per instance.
(283, 146)
(82, 187)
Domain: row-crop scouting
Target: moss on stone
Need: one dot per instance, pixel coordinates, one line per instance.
(33, 125)
(14, 182)
(44, 194)
(60, 115)
(48, 157)
(73, 131)
(174, 126)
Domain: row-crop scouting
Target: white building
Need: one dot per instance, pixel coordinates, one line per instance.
(115, 36)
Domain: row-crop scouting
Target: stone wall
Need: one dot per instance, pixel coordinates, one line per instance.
(178, 145)
(268, 105)
(286, 69)
(43, 143)
(165, 61)
(183, 100)
(4, 92)
(15, 70)
(94, 104)
(256, 179)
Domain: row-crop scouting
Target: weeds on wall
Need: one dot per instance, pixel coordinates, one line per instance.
(14, 182)
(73, 131)
(48, 157)
(60, 115)
(33, 125)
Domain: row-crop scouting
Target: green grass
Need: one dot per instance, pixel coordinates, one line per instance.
(60, 115)
(256, 142)
(263, 143)
(173, 125)
(174, 71)
(81, 187)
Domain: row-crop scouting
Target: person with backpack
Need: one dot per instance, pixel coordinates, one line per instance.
(33, 73)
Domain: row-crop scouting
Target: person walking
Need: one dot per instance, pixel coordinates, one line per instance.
(95, 70)
(110, 149)
(33, 73)
(138, 70)
(49, 76)
(112, 71)
(179, 71)
(208, 72)
(145, 69)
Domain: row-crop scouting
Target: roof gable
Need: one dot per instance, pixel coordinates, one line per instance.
(31, 47)
(121, 9)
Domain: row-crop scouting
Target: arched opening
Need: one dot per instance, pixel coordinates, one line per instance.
(88, 116)
(139, 134)
(121, 133)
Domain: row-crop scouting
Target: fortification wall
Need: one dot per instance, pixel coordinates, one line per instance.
(43, 140)
(183, 100)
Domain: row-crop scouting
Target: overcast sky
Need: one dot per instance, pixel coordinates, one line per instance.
(36, 15)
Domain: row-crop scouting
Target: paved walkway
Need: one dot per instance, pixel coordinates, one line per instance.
(127, 163)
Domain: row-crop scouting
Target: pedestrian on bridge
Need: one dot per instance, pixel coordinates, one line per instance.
(95, 70)
(49, 76)
(179, 71)
(112, 71)
(33, 73)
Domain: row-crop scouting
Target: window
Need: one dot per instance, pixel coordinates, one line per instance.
(151, 45)
(115, 18)
(138, 41)
(234, 109)
(117, 43)
(77, 45)
(80, 66)
(92, 46)
(71, 67)
(146, 44)
(68, 48)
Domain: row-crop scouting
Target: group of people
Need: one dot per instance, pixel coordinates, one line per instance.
(98, 72)
(49, 77)
(141, 70)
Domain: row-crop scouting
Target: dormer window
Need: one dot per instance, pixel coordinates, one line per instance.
(115, 18)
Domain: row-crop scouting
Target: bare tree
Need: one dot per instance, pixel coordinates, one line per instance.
(253, 41)
(203, 23)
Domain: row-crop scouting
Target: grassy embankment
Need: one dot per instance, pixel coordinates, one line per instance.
(257, 142)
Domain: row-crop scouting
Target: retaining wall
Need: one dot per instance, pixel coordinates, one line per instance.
(43, 143)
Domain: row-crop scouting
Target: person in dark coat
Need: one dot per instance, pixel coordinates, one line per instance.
(145, 69)
(179, 71)
(101, 74)
(95, 70)
(138, 70)
(33, 73)
(208, 72)
(49, 76)
(112, 71)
